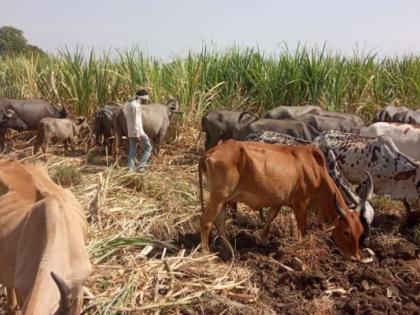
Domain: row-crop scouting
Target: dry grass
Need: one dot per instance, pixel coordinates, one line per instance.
(66, 175)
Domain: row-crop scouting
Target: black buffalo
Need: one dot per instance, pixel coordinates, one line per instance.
(24, 115)
(103, 126)
(291, 127)
(220, 124)
(333, 121)
(292, 112)
(391, 113)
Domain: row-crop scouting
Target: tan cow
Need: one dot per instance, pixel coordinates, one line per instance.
(265, 175)
(42, 241)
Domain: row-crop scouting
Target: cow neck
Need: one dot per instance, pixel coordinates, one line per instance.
(329, 192)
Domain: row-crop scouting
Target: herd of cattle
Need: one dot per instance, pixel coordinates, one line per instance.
(301, 157)
(53, 124)
(300, 145)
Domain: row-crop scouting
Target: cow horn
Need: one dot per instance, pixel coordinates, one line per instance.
(241, 115)
(365, 192)
(65, 295)
(7, 114)
(368, 193)
(338, 209)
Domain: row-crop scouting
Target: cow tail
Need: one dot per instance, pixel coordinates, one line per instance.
(201, 166)
(203, 128)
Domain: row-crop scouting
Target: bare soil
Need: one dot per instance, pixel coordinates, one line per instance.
(309, 276)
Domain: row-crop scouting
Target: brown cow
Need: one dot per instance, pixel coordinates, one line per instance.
(65, 130)
(42, 241)
(265, 175)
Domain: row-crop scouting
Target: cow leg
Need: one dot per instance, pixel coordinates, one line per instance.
(116, 151)
(266, 229)
(412, 216)
(233, 209)
(207, 142)
(73, 144)
(407, 206)
(300, 215)
(37, 144)
(220, 224)
(156, 144)
(207, 218)
(45, 145)
(109, 143)
(66, 149)
(12, 304)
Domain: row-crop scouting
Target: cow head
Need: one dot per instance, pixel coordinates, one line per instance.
(247, 118)
(65, 295)
(63, 112)
(401, 117)
(10, 119)
(97, 131)
(347, 230)
(173, 106)
(244, 119)
(70, 302)
(359, 200)
(365, 192)
(81, 124)
(378, 116)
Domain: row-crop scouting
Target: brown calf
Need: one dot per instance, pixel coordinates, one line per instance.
(65, 130)
(264, 175)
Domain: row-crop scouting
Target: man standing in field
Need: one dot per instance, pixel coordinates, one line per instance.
(135, 131)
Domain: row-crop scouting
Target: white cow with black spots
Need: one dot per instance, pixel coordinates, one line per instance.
(393, 173)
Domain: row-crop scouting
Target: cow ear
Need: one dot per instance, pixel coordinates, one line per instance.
(80, 120)
(173, 106)
(404, 175)
(366, 188)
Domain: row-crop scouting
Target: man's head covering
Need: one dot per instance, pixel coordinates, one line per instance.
(142, 95)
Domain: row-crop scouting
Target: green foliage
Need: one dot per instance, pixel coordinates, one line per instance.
(235, 78)
(12, 42)
(67, 175)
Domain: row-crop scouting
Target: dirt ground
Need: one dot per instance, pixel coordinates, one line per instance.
(290, 275)
(310, 277)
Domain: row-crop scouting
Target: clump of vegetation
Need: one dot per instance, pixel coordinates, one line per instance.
(67, 175)
(133, 181)
(12, 42)
(234, 78)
